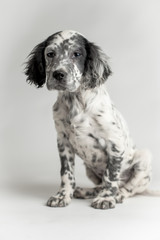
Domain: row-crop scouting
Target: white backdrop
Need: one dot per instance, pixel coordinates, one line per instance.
(129, 32)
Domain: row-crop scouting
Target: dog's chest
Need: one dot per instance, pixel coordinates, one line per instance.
(85, 136)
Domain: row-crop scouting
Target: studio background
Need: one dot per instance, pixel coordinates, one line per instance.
(129, 33)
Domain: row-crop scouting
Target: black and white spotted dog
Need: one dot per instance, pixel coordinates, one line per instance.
(87, 122)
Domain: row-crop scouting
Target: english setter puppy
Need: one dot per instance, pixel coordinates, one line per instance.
(87, 122)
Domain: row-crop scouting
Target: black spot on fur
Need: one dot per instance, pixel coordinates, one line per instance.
(70, 159)
(114, 148)
(64, 165)
(114, 190)
(61, 147)
(130, 161)
(94, 158)
(114, 167)
(62, 184)
(91, 135)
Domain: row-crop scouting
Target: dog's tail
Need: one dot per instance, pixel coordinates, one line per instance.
(151, 193)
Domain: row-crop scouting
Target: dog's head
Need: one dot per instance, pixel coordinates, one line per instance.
(65, 61)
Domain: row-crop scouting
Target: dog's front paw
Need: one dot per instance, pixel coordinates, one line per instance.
(59, 200)
(103, 202)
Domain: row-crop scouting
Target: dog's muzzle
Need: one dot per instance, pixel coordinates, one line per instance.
(57, 80)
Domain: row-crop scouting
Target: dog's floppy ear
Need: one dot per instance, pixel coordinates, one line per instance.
(35, 68)
(97, 69)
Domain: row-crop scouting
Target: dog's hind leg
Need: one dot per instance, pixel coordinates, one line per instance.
(89, 192)
(141, 176)
(92, 176)
(86, 193)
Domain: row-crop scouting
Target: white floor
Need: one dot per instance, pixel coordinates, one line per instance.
(23, 216)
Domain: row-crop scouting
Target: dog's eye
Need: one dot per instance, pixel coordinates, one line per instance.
(77, 54)
(50, 54)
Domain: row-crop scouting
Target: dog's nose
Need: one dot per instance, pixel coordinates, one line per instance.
(59, 75)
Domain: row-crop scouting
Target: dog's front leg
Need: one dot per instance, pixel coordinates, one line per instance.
(65, 194)
(107, 196)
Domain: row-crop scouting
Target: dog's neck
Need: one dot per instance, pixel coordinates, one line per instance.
(83, 98)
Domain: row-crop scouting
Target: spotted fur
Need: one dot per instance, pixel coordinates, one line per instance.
(87, 122)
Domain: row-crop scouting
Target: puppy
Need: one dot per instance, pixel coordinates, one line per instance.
(87, 122)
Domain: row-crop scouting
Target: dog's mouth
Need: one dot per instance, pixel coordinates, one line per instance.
(56, 87)
(60, 87)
